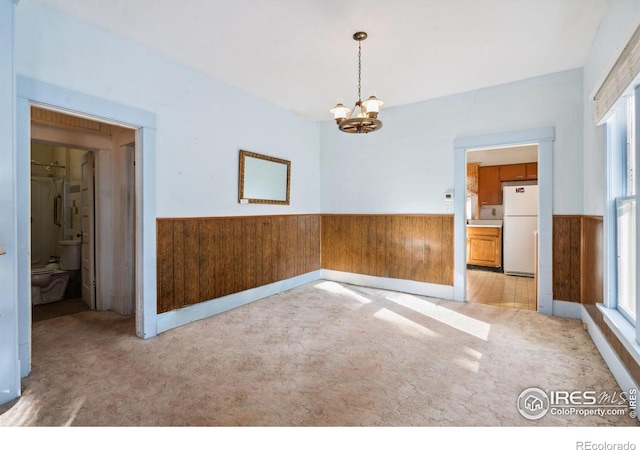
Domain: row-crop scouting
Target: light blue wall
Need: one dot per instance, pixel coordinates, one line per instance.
(202, 122)
(9, 365)
(407, 166)
(616, 28)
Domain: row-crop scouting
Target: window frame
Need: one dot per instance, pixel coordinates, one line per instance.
(620, 142)
(633, 321)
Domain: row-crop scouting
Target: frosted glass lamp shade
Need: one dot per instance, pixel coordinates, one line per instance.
(339, 111)
(372, 104)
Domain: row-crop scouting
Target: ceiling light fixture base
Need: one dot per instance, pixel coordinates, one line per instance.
(359, 36)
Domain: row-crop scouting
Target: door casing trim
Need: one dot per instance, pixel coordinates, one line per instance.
(35, 92)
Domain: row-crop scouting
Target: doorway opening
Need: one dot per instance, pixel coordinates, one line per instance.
(543, 138)
(501, 213)
(90, 111)
(83, 215)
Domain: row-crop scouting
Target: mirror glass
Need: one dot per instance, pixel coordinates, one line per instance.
(263, 179)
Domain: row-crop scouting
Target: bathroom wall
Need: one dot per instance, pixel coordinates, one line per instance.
(46, 183)
(44, 234)
(73, 194)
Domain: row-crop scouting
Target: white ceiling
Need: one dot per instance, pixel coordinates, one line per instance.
(300, 54)
(504, 155)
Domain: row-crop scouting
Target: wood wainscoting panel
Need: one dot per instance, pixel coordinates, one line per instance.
(178, 261)
(208, 238)
(191, 258)
(578, 258)
(206, 258)
(448, 268)
(566, 258)
(575, 250)
(165, 265)
(224, 249)
(409, 247)
(592, 261)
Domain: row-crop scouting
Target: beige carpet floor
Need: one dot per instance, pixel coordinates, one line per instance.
(322, 354)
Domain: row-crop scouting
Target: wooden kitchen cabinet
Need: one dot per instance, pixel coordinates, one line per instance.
(513, 172)
(484, 246)
(489, 186)
(490, 180)
(519, 172)
(532, 171)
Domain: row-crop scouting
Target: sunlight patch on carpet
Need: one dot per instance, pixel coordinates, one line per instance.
(24, 413)
(405, 325)
(469, 325)
(335, 288)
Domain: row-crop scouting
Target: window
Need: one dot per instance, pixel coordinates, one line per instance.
(630, 158)
(626, 221)
(617, 103)
(623, 197)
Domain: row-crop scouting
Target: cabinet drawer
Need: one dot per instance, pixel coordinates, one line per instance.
(484, 231)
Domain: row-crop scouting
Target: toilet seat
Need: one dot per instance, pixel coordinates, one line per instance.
(41, 271)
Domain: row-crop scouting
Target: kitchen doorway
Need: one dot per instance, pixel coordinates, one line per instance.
(501, 212)
(543, 138)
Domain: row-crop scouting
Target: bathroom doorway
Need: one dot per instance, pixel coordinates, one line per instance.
(93, 243)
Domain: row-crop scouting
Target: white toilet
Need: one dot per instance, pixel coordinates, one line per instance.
(49, 283)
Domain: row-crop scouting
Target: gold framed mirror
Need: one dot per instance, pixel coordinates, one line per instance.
(264, 179)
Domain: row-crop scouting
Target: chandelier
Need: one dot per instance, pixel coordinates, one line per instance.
(367, 119)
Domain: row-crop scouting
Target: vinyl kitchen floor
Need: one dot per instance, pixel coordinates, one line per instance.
(498, 289)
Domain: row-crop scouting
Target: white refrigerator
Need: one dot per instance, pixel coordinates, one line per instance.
(520, 223)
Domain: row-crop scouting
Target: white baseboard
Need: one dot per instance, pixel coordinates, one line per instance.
(178, 317)
(563, 308)
(611, 358)
(188, 314)
(392, 284)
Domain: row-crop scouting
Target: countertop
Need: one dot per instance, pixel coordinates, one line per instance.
(485, 223)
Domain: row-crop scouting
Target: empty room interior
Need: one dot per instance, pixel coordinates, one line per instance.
(319, 213)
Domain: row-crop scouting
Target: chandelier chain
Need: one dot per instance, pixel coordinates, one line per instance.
(359, 70)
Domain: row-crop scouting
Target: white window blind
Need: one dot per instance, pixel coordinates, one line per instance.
(619, 79)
